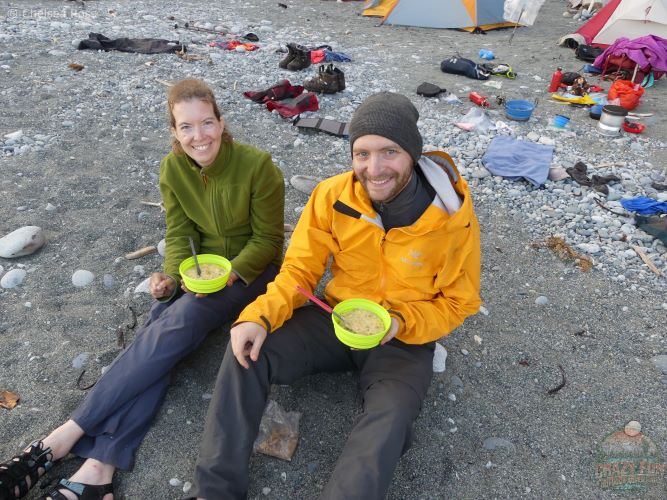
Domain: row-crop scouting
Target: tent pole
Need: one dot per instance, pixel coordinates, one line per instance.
(515, 26)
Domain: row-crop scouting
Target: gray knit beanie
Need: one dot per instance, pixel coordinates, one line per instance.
(389, 115)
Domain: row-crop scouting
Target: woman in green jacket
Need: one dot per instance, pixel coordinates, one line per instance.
(229, 198)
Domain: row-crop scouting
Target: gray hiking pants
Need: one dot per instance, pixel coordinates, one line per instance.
(119, 409)
(394, 379)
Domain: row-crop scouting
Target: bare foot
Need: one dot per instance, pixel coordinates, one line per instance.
(63, 439)
(92, 472)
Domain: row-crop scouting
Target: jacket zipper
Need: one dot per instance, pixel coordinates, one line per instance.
(382, 270)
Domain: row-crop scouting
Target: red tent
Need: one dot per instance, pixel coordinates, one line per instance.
(595, 23)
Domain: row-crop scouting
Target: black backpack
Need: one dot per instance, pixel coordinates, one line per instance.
(461, 66)
(587, 53)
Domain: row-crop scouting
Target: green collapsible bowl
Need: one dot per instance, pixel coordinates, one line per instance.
(205, 286)
(357, 340)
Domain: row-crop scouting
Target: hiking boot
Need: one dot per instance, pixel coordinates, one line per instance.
(291, 54)
(301, 59)
(328, 81)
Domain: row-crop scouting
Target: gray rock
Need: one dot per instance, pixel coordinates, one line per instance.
(80, 360)
(660, 362)
(23, 241)
(494, 443)
(304, 183)
(13, 278)
(541, 300)
(82, 278)
(439, 358)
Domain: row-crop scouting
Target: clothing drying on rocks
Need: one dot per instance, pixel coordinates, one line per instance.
(515, 159)
(324, 55)
(234, 44)
(97, 41)
(644, 205)
(287, 99)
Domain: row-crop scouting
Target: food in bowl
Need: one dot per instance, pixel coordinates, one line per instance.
(362, 322)
(208, 272)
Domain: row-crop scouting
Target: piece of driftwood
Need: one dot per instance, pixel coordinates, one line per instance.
(647, 260)
(141, 252)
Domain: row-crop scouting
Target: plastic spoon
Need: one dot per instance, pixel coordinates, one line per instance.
(194, 255)
(323, 305)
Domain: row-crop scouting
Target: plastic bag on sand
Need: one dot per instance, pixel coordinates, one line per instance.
(439, 358)
(278, 432)
(476, 119)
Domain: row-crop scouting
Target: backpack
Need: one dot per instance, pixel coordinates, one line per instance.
(460, 66)
(587, 53)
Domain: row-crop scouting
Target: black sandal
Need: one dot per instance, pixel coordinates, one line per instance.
(13, 473)
(82, 491)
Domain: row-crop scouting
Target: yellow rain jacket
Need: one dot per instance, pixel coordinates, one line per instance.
(427, 275)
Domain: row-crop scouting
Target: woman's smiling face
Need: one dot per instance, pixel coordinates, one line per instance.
(198, 130)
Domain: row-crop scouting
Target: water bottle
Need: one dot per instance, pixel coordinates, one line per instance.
(486, 54)
(478, 99)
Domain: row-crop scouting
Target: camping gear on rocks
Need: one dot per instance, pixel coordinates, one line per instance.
(519, 109)
(333, 127)
(655, 225)
(486, 54)
(329, 80)
(461, 66)
(627, 93)
(587, 53)
(298, 57)
(638, 58)
(611, 119)
(515, 159)
(595, 111)
(479, 99)
(499, 69)
(644, 205)
(468, 15)
(561, 121)
(97, 41)
(429, 89)
(633, 128)
(555, 80)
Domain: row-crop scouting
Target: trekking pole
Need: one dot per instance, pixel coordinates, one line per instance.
(515, 26)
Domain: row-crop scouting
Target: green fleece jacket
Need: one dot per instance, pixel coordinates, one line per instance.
(234, 208)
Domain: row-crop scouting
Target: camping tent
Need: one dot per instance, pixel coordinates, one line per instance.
(461, 14)
(626, 18)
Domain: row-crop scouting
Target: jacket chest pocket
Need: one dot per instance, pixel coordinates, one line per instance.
(233, 206)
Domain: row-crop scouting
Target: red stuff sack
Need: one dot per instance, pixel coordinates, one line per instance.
(626, 92)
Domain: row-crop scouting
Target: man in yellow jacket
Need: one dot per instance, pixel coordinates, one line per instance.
(400, 230)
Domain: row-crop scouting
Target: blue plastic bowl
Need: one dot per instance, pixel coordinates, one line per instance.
(519, 109)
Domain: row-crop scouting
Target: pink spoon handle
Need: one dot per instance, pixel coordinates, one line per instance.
(317, 301)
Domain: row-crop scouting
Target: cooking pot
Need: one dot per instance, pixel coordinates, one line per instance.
(611, 119)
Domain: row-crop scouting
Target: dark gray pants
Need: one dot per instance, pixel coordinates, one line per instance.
(119, 409)
(394, 379)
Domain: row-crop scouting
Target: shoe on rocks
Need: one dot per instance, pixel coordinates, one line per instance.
(291, 54)
(301, 59)
(328, 81)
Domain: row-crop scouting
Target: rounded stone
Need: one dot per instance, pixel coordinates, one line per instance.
(82, 278)
(13, 278)
(632, 428)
